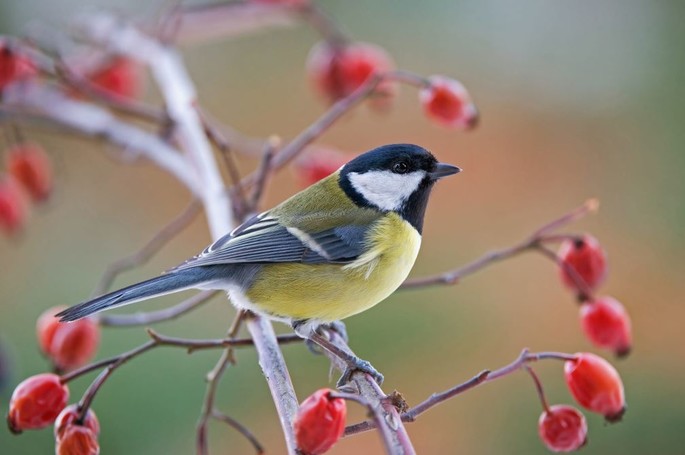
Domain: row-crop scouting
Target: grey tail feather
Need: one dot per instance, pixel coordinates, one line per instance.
(164, 284)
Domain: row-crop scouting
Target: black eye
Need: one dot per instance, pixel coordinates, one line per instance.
(400, 167)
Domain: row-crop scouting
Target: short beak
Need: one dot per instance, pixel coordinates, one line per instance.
(443, 170)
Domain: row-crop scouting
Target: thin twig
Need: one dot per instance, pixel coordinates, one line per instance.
(197, 344)
(263, 172)
(89, 395)
(394, 434)
(240, 428)
(534, 241)
(435, 399)
(118, 103)
(585, 292)
(239, 204)
(376, 414)
(538, 387)
(334, 113)
(188, 344)
(213, 379)
(151, 317)
(156, 243)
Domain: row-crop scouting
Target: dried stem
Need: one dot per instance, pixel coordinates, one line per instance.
(117, 103)
(92, 390)
(435, 399)
(538, 387)
(534, 241)
(263, 172)
(151, 317)
(196, 344)
(334, 113)
(240, 428)
(156, 243)
(213, 378)
(395, 437)
(585, 292)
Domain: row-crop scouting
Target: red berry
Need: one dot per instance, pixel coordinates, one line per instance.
(120, 77)
(596, 385)
(587, 258)
(67, 418)
(338, 70)
(37, 402)
(607, 325)
(77, 440)
(14, 210)
(319, 164)
(46, 326)
(562, 428)
(447, 102)
(30, 165)
(13, 65)
(320, 422)
(68, 344)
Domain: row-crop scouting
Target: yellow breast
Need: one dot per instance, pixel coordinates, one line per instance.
(330, 292)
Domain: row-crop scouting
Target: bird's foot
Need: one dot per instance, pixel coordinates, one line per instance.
(355, 364)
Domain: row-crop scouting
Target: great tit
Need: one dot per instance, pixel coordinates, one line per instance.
(330, 251)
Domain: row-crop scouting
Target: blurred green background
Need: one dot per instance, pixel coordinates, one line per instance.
(578, 100)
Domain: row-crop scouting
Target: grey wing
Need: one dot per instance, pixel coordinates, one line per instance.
(263, 239)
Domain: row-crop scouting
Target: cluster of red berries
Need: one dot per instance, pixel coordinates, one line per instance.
(41, 400)
(28, 177)
(338, 69)
(604, 320)
(596, 386)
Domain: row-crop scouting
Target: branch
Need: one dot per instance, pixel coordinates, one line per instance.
(180, 97)
(393, 433)
(334, 113)
(44, 102)
(532, 242)
(151, 317)
(240, 428)
(435, 399)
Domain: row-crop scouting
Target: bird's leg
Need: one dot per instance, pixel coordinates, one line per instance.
(336, 326)
(352, 362)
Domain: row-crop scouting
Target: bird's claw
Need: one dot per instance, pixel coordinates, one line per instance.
(357, 364)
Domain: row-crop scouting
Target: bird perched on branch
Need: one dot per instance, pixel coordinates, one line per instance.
(330, 251)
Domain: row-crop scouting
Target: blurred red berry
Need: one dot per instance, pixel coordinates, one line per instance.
(14, 210)
(447, 102)
(319, 422)
(607, 325)
(69, 345)
(46, 326)
(338, 70)
(77, 440)
(319, 164)
(120, 76)
(68, 417)
(30, 165)
(596, 385)
(13, 65)
(36, 402)
(587, 258)
(562, 428)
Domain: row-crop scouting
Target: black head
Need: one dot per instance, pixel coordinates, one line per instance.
(395, 177)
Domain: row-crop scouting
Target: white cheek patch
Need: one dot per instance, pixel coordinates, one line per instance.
(384, 189)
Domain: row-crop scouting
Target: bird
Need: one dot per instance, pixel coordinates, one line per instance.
(335, 249)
